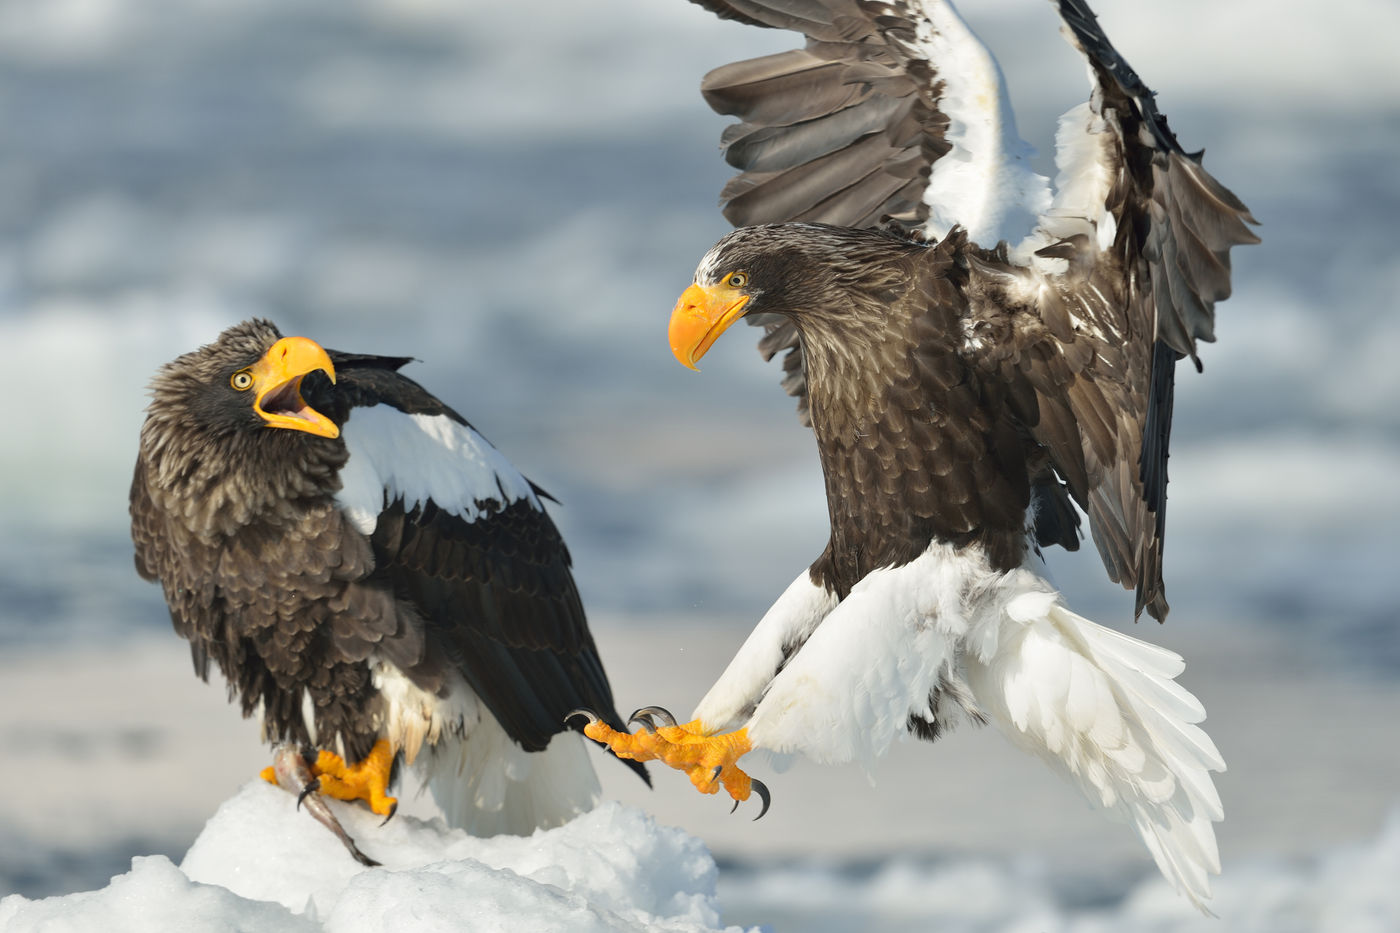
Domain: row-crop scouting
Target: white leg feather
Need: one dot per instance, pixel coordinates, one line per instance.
(872, 662)
(1104, 709)
(783, 629)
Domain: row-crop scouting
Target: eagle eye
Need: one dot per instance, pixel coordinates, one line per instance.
(737, 280)
(241, 380)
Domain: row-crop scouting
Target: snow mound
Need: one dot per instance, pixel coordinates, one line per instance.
(260, 865)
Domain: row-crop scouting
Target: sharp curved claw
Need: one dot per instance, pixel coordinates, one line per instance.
(359, 856)
(762, 790)
(392, 810)
(588, 714)
(311, 787)
(735, 807)
(649, 713)
(714, 775)
(642, 720)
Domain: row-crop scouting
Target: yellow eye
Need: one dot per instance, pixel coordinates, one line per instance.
(738, 280)
(242, 380)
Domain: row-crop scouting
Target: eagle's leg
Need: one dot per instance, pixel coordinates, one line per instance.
(367, 779)
(710, 760)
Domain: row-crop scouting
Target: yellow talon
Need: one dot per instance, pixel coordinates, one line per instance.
(710, 760)
(367, 780)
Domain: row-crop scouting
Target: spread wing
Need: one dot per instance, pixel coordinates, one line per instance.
(1118, 283)
(463, 537)
(892, 111)
(895, 110)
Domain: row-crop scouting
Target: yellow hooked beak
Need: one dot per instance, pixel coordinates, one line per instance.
(701, 315)
(277, 386)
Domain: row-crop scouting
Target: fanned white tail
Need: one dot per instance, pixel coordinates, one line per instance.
(1104, 709)
(488, 785)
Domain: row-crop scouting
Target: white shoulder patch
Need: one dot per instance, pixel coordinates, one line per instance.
(421, 457)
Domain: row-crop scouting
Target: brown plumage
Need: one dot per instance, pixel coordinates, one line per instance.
(344, 614)
(917, 442)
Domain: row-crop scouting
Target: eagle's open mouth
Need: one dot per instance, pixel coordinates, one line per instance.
(278, 377)
(286, 400)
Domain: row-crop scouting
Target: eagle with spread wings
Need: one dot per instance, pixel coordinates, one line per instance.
(981, 358)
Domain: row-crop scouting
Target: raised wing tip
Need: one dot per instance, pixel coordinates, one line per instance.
(725, 10)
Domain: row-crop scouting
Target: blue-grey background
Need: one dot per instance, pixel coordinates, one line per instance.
(516, 193)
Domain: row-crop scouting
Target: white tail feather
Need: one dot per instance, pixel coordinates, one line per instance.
(488, 785)
(1103, 709)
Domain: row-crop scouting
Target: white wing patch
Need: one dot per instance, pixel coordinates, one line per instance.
(1083, 180)
(421, 457)
(985, 182)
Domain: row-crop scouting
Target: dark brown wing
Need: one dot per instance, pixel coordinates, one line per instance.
(497, 595)
(191, 595)
(464, 539)
(838, 132)
(1096, 318)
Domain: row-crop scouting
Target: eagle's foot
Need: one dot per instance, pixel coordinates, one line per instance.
(709, 760)
(366, 780)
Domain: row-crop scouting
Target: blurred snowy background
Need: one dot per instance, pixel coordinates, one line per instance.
(515, 194)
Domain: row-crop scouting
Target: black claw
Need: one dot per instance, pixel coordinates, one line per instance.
(311, 787)
(762, 790)
(648, 712)
(392, 810)
(714, 775)
(359, 856)
(591, 716)
(642, 720)
(735, 807)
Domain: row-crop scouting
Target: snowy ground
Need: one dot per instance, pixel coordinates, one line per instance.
(260, 865)
(257, 866)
